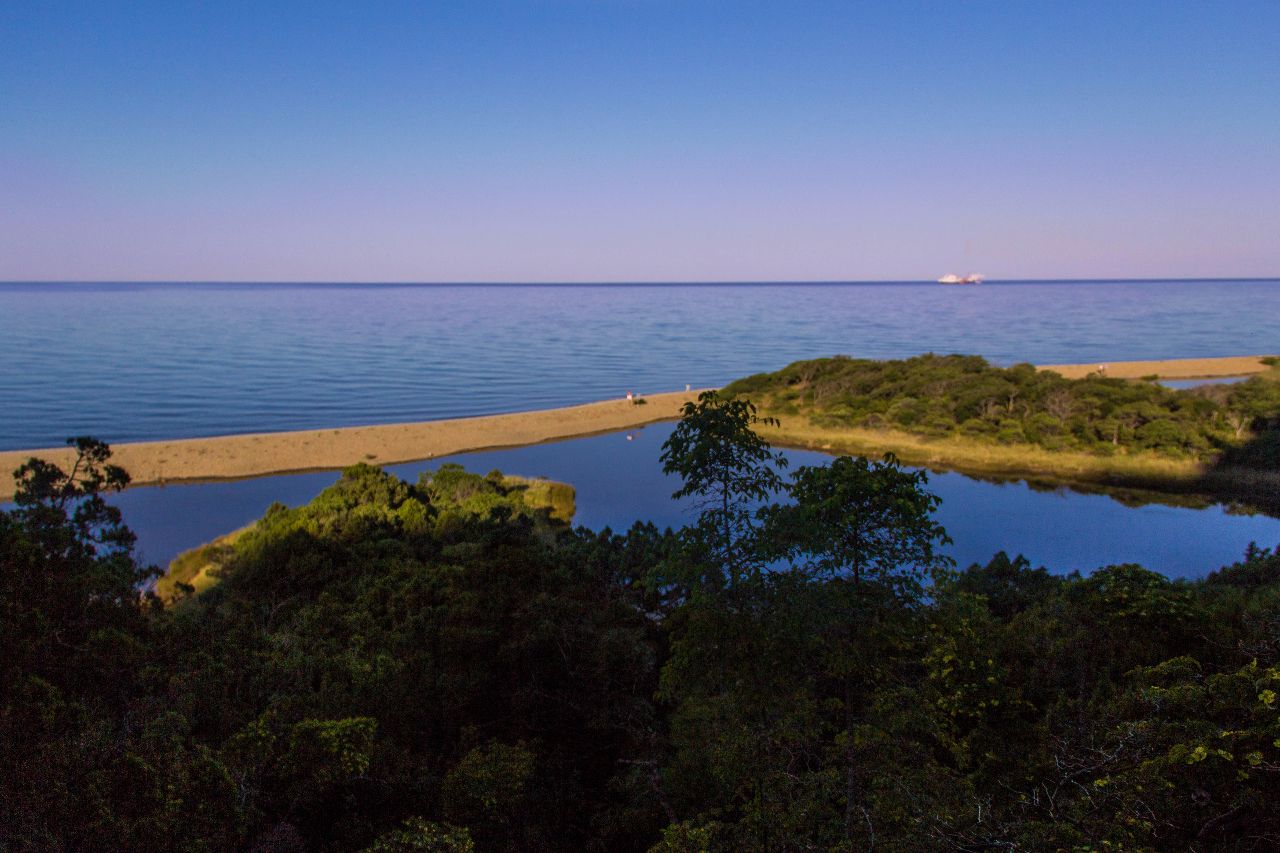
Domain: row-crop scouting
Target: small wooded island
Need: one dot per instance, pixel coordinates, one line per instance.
(449, 492)
(960, 412)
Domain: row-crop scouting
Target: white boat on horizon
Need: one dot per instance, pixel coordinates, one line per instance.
(952, 278)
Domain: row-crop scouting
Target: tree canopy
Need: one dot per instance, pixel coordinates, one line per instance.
(442, 666)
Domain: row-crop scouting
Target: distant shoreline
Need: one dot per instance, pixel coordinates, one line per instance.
(1169, 368)
(235, 457)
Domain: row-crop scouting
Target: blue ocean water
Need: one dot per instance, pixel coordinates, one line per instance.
(130, 362)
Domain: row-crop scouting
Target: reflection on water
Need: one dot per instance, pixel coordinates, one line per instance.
(619, 479)
(1183, 384)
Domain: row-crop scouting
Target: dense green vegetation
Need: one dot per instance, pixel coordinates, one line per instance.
(436, 667)
(964, 396)
(453, 491)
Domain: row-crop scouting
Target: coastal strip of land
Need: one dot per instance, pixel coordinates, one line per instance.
(240, 456)
(1142, 471)
(1174, 368)
(255, 455)
(1141, 466)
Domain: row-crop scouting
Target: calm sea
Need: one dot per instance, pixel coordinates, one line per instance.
(128, 362)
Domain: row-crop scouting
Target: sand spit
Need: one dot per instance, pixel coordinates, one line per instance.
(239, 456)
(1175, 368)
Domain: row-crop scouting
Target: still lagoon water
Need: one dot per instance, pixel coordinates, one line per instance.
(620, 480)
(128, 362)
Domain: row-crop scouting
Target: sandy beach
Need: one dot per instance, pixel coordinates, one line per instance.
(238, 456)
(1176, 368)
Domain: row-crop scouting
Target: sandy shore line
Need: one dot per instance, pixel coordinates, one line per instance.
(239, 456)
(1174, 368)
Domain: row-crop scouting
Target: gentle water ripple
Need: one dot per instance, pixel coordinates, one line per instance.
(130, 362)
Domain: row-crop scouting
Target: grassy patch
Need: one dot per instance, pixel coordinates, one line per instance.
(957, 452)
(1135, 470)
(196, 570)
(559, 499)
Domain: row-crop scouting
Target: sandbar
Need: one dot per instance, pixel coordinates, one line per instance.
(240, 456)
(1174, 368)
(255, 455)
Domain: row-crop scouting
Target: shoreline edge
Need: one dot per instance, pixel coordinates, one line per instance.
(243, 456)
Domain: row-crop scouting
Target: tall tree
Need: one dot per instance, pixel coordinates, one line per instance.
(70, 582)
(729, 470)
(863, 519)
(74, 631)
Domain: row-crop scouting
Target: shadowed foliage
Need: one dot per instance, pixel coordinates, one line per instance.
(446, 666)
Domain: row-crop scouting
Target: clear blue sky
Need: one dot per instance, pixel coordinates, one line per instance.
(641, 140)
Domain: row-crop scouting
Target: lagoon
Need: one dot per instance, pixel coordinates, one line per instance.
(619, 480)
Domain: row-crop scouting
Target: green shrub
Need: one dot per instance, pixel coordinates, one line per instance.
(934, 395)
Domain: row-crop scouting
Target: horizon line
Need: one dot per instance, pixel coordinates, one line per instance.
(623, 282)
